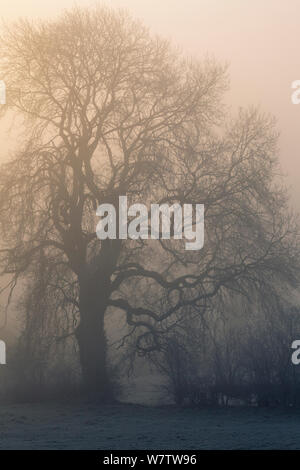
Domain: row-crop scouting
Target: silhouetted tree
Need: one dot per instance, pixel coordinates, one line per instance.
(110, 111)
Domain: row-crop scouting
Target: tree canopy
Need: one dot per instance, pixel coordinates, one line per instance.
(110, 110)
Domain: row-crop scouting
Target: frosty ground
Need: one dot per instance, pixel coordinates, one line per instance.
(49, 426)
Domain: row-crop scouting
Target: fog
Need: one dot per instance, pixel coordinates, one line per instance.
(126, 157)
(258, 39)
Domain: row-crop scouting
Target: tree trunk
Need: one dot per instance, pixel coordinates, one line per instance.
(92, 343)
(95, 290)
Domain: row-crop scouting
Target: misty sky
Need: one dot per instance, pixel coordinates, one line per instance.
(259, 38)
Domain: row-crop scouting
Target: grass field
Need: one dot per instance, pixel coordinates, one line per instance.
(123, 427)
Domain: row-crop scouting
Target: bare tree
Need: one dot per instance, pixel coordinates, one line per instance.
(110, 111)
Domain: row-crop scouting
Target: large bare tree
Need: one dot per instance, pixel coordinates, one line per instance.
(110, 110)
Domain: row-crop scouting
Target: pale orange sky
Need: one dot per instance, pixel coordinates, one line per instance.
(259, 38)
